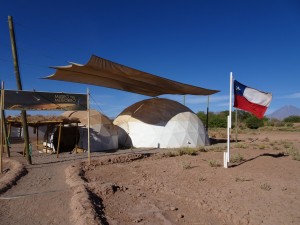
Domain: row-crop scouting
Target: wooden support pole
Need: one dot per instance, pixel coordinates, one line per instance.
(19, 84)
(47, 137)
(1, 135)
(37, 138)
(76, 138)
(8, 135)
(4, 124)
(9, 131)
(5, 135)
(88, 115)
(58, 144)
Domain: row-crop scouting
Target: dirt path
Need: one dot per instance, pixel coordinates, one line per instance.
(42, 195)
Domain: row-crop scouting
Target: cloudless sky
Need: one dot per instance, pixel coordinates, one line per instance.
(190, 41)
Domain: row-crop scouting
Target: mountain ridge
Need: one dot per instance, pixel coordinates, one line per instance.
(285, 111)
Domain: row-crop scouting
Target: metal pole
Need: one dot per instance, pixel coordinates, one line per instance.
(227, 154)
(37, 138)
(207, 110)
(19, 85)
(236, 125)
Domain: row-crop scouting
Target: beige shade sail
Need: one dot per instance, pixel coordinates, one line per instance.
(102, 72)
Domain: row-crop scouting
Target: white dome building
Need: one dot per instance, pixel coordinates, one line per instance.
(160, 123)
(103, 134)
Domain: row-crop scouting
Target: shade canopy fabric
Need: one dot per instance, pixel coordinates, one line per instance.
(102, 72)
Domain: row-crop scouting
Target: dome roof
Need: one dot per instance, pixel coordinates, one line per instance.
(154, 110)
(95, 117)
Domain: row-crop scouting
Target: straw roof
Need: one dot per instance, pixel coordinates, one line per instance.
(38, 120)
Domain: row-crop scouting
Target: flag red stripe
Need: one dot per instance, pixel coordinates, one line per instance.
(242, 103)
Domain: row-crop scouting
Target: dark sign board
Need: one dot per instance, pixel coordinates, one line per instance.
(33, 100)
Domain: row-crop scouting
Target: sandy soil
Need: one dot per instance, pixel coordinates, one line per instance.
(151, 187)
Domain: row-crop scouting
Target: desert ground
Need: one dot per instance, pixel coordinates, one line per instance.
(159, 186)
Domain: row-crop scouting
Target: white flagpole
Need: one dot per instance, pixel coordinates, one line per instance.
(227, 154)
(88, 117)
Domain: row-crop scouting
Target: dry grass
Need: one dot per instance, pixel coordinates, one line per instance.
(242, 179)
(237, 158)
(265, 186)
(214, 163)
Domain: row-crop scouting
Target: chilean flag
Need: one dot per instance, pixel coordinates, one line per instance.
(251, 100)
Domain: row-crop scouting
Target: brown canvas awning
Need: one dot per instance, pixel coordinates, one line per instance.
(102, 72)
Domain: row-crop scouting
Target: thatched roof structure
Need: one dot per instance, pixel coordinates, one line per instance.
(39, 120)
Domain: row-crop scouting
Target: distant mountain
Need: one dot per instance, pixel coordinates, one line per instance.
(284, 112)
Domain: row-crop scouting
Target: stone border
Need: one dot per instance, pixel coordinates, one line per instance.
(83, 211)
(15, 172)
(84, 202)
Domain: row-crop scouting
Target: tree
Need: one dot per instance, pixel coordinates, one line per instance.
(254, 123)
(292, 119)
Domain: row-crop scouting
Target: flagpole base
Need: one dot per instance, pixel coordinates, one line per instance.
(225, 159)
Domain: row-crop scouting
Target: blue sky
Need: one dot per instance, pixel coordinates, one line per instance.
(194, 42)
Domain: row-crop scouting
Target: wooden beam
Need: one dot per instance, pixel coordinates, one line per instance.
(58, 144)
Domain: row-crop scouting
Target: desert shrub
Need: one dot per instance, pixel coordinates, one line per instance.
(292, 119)
(237, 158)
(202, 149)
(214, 163)
(170, 154)
(294, 153)
(265, 186)
(266, 139)
(287, 144)
(254, 123)
(216, 148)
(242, 179)
(275, 123)
(296, 156)
(186, 165)
(180, 152)
(202, 178)
(241, 145)
(289, 124)
(261, 147)
(187, 151)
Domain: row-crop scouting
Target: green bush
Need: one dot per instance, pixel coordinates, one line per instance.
(217, 122)
(292, 119)
(254, 123)
(214, 119)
